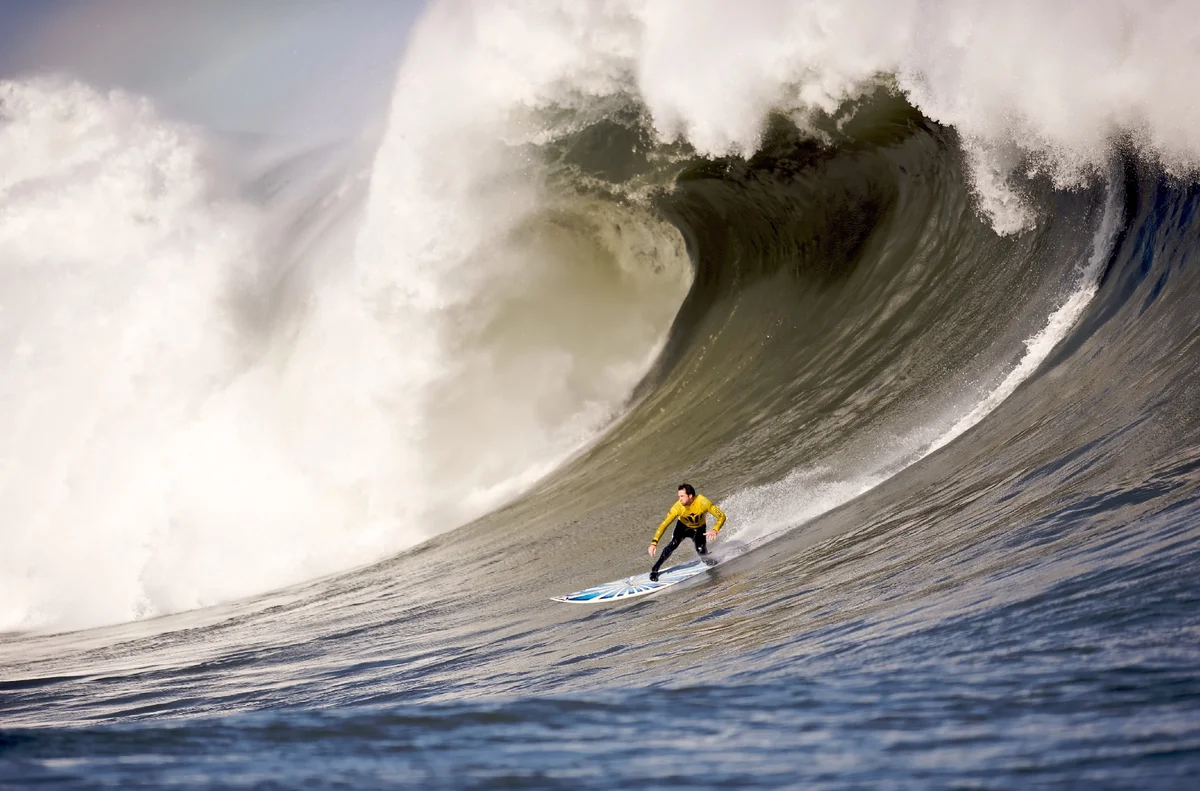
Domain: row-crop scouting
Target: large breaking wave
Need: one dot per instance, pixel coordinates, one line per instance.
(786, 250)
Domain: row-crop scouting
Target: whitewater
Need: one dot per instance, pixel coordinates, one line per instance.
(300, 436)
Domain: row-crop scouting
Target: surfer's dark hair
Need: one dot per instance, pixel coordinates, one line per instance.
(687, 487)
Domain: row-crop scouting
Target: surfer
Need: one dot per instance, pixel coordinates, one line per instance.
(689, 512)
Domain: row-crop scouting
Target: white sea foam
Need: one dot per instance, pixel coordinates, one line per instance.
(1031, 86)
(173, 437)
(155, 457)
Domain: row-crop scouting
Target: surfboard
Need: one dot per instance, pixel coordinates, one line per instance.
(637, 585)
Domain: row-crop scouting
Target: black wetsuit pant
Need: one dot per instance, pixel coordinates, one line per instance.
(681, 532)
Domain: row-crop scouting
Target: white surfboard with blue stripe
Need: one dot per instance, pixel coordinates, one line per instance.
(637, 585)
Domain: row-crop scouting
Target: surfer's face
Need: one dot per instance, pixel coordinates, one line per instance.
(686, 498)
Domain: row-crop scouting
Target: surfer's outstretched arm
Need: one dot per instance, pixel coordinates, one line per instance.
(720, 515)
(675, 511)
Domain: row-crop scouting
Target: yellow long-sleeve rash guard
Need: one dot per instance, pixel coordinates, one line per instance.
(691, 515)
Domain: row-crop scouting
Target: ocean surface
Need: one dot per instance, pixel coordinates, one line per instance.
(299, 441)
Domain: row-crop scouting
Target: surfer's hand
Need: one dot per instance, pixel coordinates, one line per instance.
(711, 535)
(653, 547)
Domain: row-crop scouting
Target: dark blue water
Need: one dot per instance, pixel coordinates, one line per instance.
(1037, 677)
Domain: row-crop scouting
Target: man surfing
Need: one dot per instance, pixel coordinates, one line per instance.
(689, 512)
